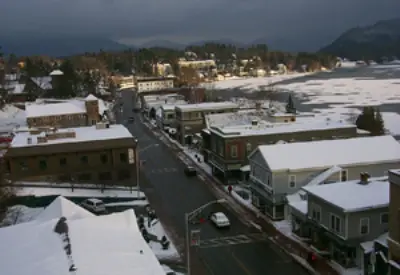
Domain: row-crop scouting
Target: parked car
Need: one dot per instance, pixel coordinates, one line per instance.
(190, 171)
(131, 119)
(94, 205)
(220, 220)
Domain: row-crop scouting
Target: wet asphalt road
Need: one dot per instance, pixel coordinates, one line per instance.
(240, 250)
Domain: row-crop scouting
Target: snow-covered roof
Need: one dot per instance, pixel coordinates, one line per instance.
(241, 117)
(207, 106)
(369, 246)
(91, 98)
(56, 72)
(264, 128)
(301, 206)
(351, 196)
(327, 153)
(54, 109)
(108, 244)
(74, 106)
(43, 82)
(82, 134)
(62, 207)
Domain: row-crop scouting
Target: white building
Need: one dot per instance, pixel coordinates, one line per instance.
(147, 84)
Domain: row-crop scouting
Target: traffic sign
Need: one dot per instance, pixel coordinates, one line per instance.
(195, 237)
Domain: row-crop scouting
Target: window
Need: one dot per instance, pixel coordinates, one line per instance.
(234, 151)
(221, 149)
(364, 226)
(124, 174)
(93, 122)
(335, 224)
(343, 175)
(84, 177)
(105, 176)
(292, 181)
(316, 212)
(43, 164)
(123, 157)
(248, 147)
(23, 165)
(84, 159)
(384, 218)
(104, 159)
(63, 161)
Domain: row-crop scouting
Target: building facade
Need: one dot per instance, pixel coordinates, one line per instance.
(340, 219)
(104, 154)
(190, 118)
(74, 113)
(277, 171)
(229, 147)
(147, 84)
(394, 223)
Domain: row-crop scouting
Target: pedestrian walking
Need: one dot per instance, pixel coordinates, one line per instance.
(230, 189)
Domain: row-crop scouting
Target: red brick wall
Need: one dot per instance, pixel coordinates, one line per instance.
(241, 149)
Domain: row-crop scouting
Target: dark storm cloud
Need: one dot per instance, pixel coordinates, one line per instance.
(193, 19)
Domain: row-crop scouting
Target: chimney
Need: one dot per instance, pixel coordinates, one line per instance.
(254, 122)
(364, 177)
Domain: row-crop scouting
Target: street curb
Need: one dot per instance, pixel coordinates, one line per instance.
(215, 186)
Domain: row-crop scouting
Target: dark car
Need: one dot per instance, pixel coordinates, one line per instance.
(131, 119)
(190, 171)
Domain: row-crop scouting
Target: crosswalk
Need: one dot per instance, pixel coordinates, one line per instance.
(233, 240)
(163, 170)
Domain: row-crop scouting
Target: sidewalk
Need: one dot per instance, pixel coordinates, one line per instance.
(290, 246)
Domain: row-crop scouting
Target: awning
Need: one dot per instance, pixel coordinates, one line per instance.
(245, 168)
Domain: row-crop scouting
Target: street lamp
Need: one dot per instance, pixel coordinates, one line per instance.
(188, 217)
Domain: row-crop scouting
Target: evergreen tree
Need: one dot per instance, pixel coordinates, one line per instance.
(290, 108)
(379, 125)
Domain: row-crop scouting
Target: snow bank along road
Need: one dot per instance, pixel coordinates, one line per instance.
(239, 250)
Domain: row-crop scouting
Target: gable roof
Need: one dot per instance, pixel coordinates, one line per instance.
(327, 153)
(351, 196)
(114, 241)
(62, 207)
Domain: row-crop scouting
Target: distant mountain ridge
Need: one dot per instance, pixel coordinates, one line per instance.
(56, 46)
(370, 42)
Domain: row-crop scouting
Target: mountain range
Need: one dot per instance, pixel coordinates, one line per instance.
(370, 42)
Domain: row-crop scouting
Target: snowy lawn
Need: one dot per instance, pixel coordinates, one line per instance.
(157, 229)
(78, 192)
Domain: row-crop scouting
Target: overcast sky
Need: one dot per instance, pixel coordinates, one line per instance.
(184, 21)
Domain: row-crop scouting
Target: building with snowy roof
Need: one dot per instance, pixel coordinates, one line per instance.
(282, 169)
(190, 118)
(344, 217)
(70, 113)
(230, 145)
(108, 244)
(102, 153)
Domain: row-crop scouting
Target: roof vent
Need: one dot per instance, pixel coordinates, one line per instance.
(29, 140)
(364, 178)
(254, 122)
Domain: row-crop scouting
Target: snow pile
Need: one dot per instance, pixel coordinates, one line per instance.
(157, 229)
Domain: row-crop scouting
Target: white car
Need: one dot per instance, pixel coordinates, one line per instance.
(220, 220)
(94, 205)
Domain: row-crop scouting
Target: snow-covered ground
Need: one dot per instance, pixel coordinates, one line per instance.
(157, 229)
(19, 214)
(11, 117)
(252, 83)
